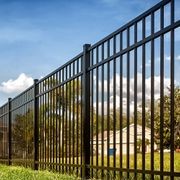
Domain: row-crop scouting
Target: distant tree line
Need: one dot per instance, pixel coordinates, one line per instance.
(52, 116)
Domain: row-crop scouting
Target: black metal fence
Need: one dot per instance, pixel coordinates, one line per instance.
(110, 112)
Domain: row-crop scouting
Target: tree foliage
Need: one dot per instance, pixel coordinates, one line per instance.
(167, 119)
(22, 134)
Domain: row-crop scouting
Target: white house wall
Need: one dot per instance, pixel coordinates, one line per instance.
(124, 141)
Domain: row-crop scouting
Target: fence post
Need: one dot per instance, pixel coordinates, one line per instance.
(36, 128)
(86, 111)
(9, 131)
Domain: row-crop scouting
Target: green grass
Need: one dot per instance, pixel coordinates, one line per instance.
(20, 173)
(147, 161)
(166, 161)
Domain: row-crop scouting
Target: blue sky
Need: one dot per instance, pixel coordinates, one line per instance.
(38, 36)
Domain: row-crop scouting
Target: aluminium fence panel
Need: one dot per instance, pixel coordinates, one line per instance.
(127, 102)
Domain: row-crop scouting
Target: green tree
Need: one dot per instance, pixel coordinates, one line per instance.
(167, 119)
(22, 134)
(58, 117)
(52, 109)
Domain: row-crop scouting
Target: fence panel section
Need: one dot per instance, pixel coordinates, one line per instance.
(22, 129)
(4, 141)
(133, 98)
(60, 119)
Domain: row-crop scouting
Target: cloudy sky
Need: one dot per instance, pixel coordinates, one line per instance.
(38, 36)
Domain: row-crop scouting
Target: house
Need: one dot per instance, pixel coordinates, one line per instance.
(124, 141)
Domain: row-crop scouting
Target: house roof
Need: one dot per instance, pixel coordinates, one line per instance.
(105, 135)
(138, 127)
(147, 130)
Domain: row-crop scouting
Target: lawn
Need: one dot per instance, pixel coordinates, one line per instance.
(156, 164)
(166, 161)
(20, 173)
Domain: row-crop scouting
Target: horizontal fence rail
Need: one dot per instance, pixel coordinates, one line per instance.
(112, 112)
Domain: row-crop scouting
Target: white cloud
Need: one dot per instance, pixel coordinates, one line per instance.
(131, 91)
(139, 85)
(17, 85)
(178, 58)
(168, 58)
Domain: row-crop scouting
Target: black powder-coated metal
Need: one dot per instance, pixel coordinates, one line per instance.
(172, 93)
(86, 111)
(152, 96)
(161, 92)
(135, 101)
(36, 127)
(9, 131)
(143, 98)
